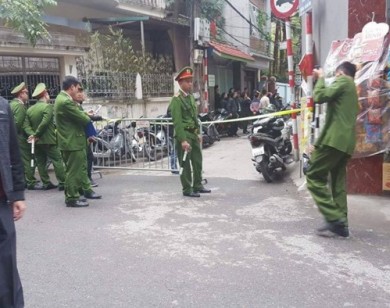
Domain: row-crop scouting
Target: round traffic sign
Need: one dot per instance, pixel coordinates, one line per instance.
(284, 8)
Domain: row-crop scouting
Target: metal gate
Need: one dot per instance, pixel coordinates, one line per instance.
(31, 70)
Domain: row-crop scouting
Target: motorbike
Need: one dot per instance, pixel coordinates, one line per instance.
(209, 131)
(112, 144)
(163, 141)
(271, 146)
(221, 127)
(155, 138)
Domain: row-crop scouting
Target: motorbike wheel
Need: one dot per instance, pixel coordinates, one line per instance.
(150, 149)
(267, 173)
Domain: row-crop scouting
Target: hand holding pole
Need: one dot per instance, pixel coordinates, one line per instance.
(184, 159)
(32, 152)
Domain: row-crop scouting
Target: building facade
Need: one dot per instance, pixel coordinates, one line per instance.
(237, 61)
(151, 25)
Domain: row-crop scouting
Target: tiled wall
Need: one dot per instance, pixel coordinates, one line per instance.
(361, 12)
(364, 175)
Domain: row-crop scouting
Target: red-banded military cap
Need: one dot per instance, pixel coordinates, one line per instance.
(185, 72)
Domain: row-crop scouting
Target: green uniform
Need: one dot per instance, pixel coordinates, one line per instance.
(40, 123)
(334, 147)
(71, 123)
(19, 112)
(185, 121)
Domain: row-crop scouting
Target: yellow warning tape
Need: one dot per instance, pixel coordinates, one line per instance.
(261, 116)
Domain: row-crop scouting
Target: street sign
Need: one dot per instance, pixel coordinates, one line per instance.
(284, 8)
(211, 80)
(305, 66)
(283, 45)
(304, 6)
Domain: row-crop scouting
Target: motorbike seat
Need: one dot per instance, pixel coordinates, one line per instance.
(263, 122)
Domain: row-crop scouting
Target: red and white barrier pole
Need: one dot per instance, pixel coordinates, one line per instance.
(291, 82)
(310, 58)
(206, 83)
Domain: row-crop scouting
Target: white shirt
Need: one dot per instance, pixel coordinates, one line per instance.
(264, 102)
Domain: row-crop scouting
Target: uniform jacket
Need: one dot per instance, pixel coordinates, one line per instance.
(11, 166)
(71, 123)
(40, 122)
(342, 99)
(184, 116)
(19, 113)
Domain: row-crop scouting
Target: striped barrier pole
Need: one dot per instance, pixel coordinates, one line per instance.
(206, 83)
(310, 58)
(291, 82)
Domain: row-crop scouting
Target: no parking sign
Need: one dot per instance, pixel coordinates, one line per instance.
(284, 8)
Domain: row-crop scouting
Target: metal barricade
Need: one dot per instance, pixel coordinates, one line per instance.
(135, 144)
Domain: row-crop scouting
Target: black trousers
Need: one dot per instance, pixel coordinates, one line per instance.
(11, 291)
(233, 127)
(89, 161)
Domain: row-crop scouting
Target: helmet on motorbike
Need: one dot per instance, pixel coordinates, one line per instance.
(269, 109)
(278, 124)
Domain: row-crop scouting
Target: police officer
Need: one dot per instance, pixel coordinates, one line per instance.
(19, 110)
(333, 148)
(40, 127)
(187, 130)
(71, 123)
(90, 133)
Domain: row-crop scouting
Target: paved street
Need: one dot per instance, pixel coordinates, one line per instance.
(248, 244)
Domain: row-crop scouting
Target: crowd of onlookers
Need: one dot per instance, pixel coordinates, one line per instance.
(237, 104)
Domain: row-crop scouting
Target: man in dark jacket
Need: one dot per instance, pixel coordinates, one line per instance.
(12, 207)
(232, 109)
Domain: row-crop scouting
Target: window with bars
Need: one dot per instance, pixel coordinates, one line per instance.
(253, 17)
(31, 70)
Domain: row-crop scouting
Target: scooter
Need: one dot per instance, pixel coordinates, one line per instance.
(112, 144)
(271, 146)
(222, 128)
(209, 131)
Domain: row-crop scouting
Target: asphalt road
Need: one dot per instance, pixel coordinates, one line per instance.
(247, 244)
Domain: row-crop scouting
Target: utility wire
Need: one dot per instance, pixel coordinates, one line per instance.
(236, 37)
(253, 25)
(223, 30)
(246, 19)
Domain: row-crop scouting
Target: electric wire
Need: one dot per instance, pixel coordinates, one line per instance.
(253, 25)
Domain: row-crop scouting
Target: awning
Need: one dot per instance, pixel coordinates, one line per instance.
(230, 52)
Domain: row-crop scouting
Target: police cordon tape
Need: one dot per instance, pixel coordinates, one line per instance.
(256, 117)
(168, 122)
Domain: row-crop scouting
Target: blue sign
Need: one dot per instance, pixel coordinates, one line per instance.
(304, 6)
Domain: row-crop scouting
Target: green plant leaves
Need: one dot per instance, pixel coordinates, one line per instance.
(25, 16)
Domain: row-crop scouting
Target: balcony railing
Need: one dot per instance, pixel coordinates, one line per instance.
(153, 4)
(114, 85)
